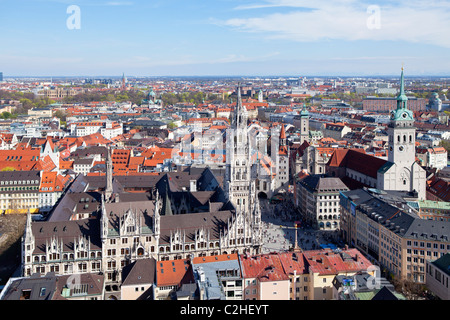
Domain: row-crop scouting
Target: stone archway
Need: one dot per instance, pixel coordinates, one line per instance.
(262, 195)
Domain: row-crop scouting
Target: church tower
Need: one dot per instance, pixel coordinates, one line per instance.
(260, 96)
(282, 162)
(238, 170)
(401, 131)
(402, 172)
(304, 125)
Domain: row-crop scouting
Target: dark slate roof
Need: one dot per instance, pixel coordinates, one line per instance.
(84, 152)
(423, 229)
(116, 210)
(443, 263)
(320, 183)
(141, 271)
(77, 202)
(385, 294)
(90, 283)
(212, 222)
(397, 220)
(20, 176)
(37, 288)
(67, 231)
(187, 290)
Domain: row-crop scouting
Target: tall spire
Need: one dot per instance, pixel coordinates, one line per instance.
(240, 113)
(109, 175)
(402, 98)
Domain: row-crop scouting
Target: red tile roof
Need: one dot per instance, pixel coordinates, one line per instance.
(173, 272)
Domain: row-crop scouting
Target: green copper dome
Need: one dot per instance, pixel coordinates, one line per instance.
(304, 112)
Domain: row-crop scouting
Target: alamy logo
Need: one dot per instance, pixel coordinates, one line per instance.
(74, 20)
(374, 20)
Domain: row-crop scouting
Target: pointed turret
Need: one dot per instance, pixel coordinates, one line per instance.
(28, 236)
(240, 113)
(283, 148)
(167, 209)
(109, 176)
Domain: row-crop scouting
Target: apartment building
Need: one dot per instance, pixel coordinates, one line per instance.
(304, 275)
(19, 191)
(336, 131)
(399, 241)
(264, 278)
(318, 199)
(432, 210)
(433, 157)
(83, 166)
(108, 129)
(170, 276)
(51, 188)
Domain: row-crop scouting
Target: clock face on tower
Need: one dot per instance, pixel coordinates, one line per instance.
(401, 148)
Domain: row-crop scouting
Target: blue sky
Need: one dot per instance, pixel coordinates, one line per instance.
(225, 37)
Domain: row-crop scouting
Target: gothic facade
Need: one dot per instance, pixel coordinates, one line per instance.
(182, 216)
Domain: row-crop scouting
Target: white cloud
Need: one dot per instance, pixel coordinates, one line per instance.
(426, 22)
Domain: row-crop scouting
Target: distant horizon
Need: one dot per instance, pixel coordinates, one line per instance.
(224, 76)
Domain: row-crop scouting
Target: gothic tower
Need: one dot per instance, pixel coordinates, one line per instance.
(237, 176)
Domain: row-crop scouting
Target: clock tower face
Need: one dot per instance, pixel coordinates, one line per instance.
(401, 148)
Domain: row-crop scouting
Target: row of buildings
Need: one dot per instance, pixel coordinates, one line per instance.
(308, 275)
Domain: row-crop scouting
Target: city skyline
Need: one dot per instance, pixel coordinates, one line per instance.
(224, 38)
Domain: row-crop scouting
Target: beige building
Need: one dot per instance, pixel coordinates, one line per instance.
(398, 241)
(41, 113)
(19, 191)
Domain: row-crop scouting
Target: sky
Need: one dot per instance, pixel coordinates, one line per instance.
(224, 37)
